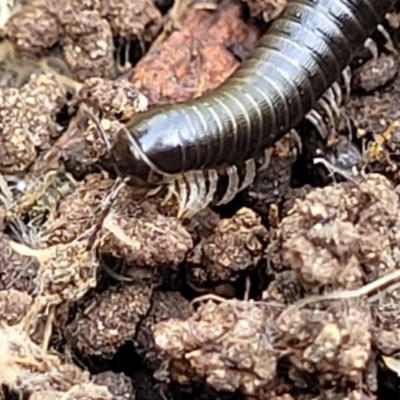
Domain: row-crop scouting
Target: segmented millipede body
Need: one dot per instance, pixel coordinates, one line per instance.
(294, 68)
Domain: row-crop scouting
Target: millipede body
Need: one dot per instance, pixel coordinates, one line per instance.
(295, 64)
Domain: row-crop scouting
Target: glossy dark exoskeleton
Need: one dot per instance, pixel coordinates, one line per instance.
(302, 54)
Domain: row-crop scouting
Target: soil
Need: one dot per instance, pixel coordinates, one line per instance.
(289, 292)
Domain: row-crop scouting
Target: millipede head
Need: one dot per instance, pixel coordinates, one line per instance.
(130, 161)
(127, 158)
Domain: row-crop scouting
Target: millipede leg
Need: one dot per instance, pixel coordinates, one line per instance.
(327, 109)
(182, 195)
(315, 118)
(194, 195)
(372, 47)
(337, 93)
(297, 139)
(233, 185)
(346, 76)
(265, 159)
(329, 103)
(332, 98)
(171, 192)
(212, 186)
(193, 189)
(389, 42)
(250, 167)
(197, 201)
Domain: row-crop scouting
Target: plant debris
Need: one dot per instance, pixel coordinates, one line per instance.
(200, 348)
(268, 9)
(237, 244)
(103, 324)
(290, 292)
(27, 121)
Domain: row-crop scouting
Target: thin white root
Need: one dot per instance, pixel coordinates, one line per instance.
(349, 294)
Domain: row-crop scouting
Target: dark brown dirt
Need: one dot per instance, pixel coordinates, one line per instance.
(290, 292)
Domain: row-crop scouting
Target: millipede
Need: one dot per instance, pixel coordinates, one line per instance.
(294, 69)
